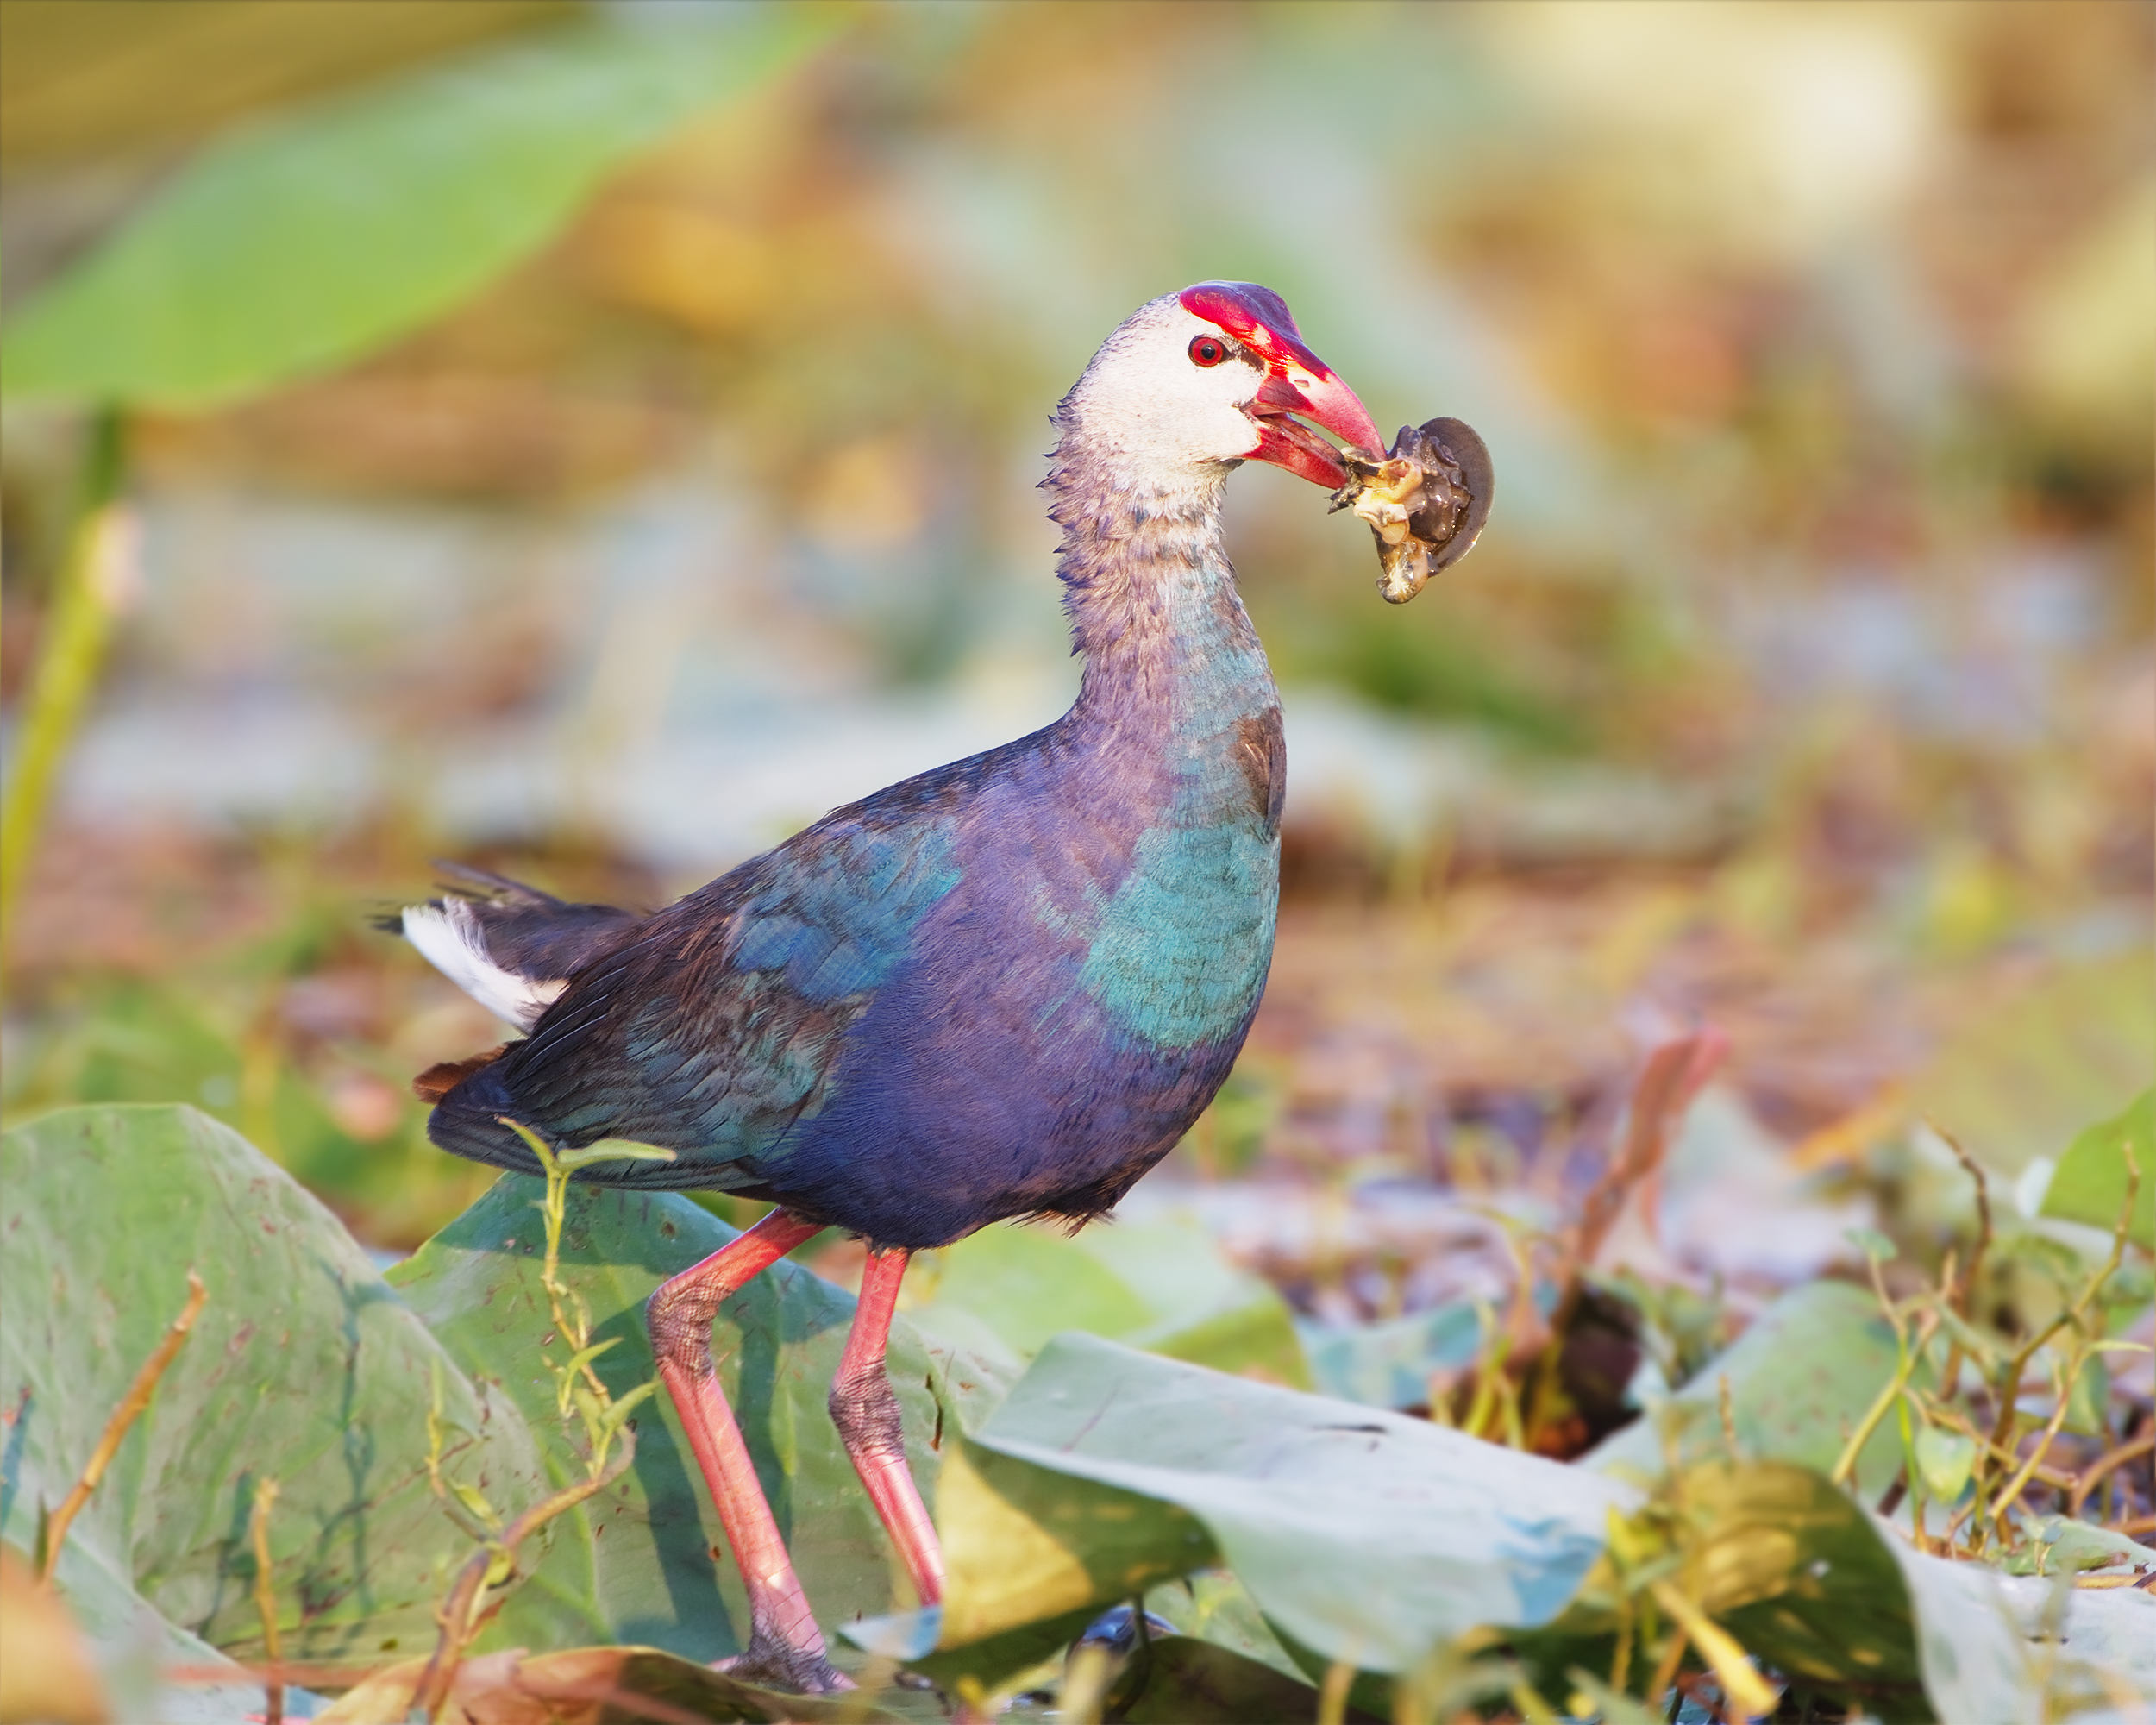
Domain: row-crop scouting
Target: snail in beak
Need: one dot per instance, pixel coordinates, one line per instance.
(1425, 501)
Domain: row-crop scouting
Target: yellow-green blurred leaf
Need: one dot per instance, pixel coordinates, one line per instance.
(2090, 1182)
(2022, 1076)
(302, 242)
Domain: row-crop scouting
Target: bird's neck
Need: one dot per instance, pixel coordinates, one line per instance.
(1169, 652)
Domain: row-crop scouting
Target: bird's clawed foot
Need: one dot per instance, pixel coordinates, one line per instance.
(770, 1662)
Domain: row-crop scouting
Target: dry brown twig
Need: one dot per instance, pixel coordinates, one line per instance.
(466, 1608)
(1960, 1292)
(130, 1410)
(2079, 1485)
(1673, 1075)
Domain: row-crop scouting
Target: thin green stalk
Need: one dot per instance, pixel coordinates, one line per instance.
(2019, 1483)
(90, 593)
(1913, 1474)
(604, 1416)
(266, 1602)
(1891, 1393)
(2010, 1380)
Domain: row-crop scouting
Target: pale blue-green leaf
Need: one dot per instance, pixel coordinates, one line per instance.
(1164, 1286)
(304, 1366)
(1800, 1379)
(1365, 1535)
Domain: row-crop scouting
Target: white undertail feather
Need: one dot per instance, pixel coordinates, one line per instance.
(449, 938)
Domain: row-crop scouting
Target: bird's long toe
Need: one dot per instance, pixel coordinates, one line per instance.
(770, 1662)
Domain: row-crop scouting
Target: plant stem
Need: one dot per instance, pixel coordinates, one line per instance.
(1665, 1671)
(266, 1602)
(1889, 1395)
(94, 583)
(2084, 1482)
(462, 1610)
(2011, 1379)
(1332, 1694)
(130, 1408)
(2014, 1487)
(1965, 1290)
(1620, 1661)
(1747, 1691)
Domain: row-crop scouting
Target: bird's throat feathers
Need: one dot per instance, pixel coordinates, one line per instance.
(1152, 601)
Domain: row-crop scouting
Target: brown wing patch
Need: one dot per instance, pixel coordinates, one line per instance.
(1261, 751)
(438, 1080)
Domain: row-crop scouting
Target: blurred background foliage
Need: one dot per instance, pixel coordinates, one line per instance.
(1802, 681)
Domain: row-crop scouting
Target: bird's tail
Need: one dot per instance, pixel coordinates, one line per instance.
(510, 947)
(472, 1103)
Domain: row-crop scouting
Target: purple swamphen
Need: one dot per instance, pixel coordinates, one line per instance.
(1004, 988)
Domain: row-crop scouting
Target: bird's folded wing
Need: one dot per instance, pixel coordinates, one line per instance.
(714, 1027)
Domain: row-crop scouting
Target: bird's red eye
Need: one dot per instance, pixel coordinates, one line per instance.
(1208, 350)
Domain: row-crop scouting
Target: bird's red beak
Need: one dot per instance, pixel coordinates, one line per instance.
(1296, 382)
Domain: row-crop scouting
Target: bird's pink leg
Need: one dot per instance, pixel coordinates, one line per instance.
(785, 1649)
(866, 1413)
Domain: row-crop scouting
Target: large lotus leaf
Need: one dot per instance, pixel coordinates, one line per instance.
(2001, 1651)
(1800, 1379)
(304, 1366)
(1164, 1286)
(2089, 1184)
(302, 242)
(635, 1564)
(1364, 1535)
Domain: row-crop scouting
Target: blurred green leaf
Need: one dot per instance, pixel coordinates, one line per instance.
(1800, 1574)
(1190, 1682)
(1213, 1606)
(1444, 672)
(1605, 1705)
(1945, 1460)
(2062, 1546)
(635, 1563)
(303, 1365)
(1800, 1379)
(302, 243)
(2090, 1182)
(1362, 1535)
(2018, 1080)
(1872, 1244)
(1164, 1286)
(1789, 1566)
(1814, 1586)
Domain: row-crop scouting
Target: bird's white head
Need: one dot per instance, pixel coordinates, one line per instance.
(1198, 380)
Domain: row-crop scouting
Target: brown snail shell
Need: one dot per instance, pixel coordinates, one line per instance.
(1426, 502)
